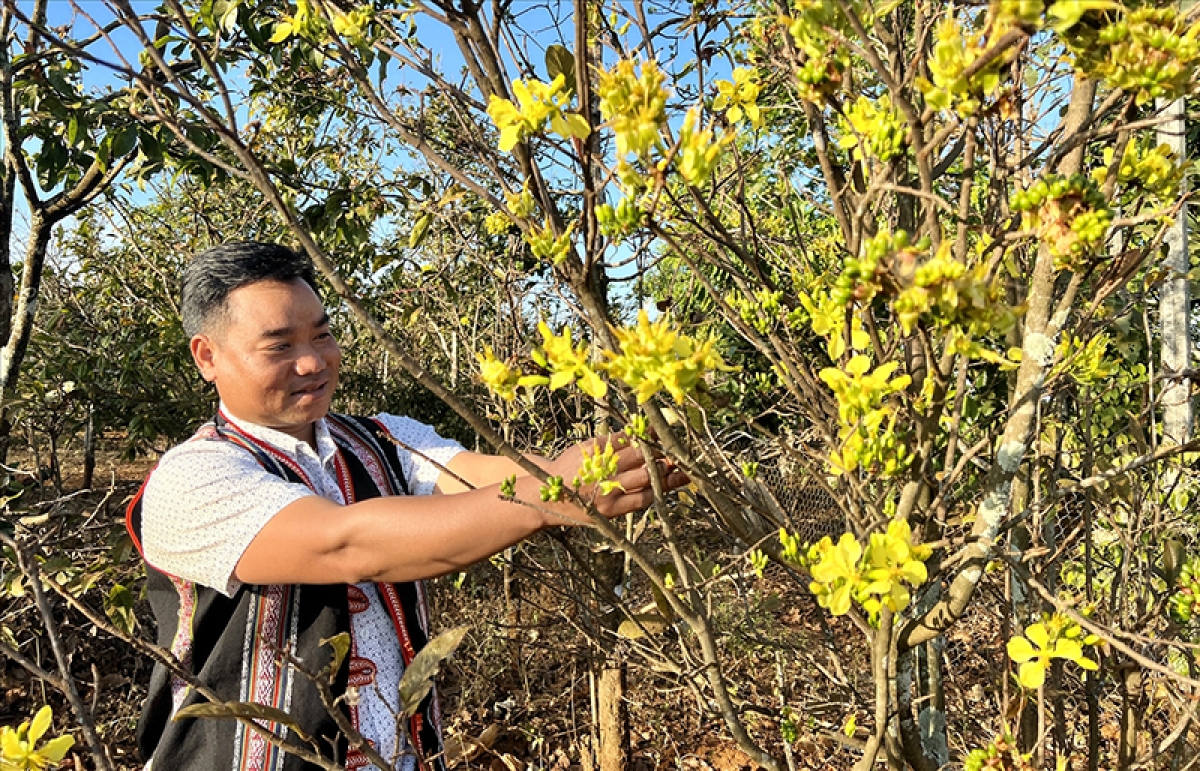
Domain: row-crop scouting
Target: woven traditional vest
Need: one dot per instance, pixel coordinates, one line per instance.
(234, 644)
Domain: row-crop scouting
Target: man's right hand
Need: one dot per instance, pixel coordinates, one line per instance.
(634, 490)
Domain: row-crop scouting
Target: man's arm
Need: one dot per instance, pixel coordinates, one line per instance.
(316, 541)
(479, 470)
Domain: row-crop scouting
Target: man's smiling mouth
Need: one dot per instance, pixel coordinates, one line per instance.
(315, 389)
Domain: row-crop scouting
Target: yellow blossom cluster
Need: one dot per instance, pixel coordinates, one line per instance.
(1152, 53)
(867, 416)
(698, 153)
(874, 578)
(309, 23)
(598, 467)
(545, 245)
(1054, 637)
(654, 357)
(567, 363)
(537, 104)
(957, 83)
(873, 128)
(633, 101)
(634, 104)
(1145, 166)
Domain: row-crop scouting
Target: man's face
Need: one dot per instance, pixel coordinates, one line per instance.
(272, 357)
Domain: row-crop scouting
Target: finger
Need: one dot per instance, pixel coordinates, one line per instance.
(631, 457)
(629, 502)
(638, 479)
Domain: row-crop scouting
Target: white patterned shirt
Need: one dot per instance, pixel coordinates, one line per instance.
(207, 500)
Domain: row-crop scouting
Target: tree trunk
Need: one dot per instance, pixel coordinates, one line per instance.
(1174, 300)
(13, 353)
(614, 718)
(89, 448)
(1133, 703)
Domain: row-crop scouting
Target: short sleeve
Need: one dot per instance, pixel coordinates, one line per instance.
(422, 451)
(203, 505)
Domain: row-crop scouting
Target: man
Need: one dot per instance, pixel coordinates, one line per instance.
(281, 525)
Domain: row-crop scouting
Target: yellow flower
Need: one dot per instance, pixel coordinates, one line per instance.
(18, 748)
(568, 362)
(634, 104)
(496, 375)
(892, 561)
(835, 572)
(539, 102)
(654, 357)
(1043, 642)
(739, 97)
(698, 153)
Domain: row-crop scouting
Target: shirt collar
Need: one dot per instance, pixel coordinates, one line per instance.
(287, 443)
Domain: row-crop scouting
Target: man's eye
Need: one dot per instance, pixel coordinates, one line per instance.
(279, 347)
(325, 335)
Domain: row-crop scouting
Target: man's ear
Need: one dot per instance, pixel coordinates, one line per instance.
(204, 354)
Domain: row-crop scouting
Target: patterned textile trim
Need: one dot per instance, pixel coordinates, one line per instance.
(357, 602)
(265, 453)
(391, 598)
(265, 679)
(181, 645)
(367, 450)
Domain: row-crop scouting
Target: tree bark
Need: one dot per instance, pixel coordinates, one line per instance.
(1132, 706)
(1040, 331)
(614, 719)
(1174, 300)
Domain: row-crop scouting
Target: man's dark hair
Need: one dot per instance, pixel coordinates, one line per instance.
(214, 273)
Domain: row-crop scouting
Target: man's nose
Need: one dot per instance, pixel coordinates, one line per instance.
(310, 362)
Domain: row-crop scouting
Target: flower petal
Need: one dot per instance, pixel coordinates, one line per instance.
(1038, 635)
(1032, 674)
(55, 749)
(1020, 650)
(41, 722)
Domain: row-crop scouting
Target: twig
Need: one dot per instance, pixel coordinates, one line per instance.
(83, 715)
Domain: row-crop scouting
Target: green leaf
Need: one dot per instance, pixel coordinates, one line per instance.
(73, 131)
(420, 230)
(50, 163)
(341, 646)
(885, 8)
(124, 141)
(418, 676)
(118, 606)
(560, 61)
(230, 18)
(243, 710)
